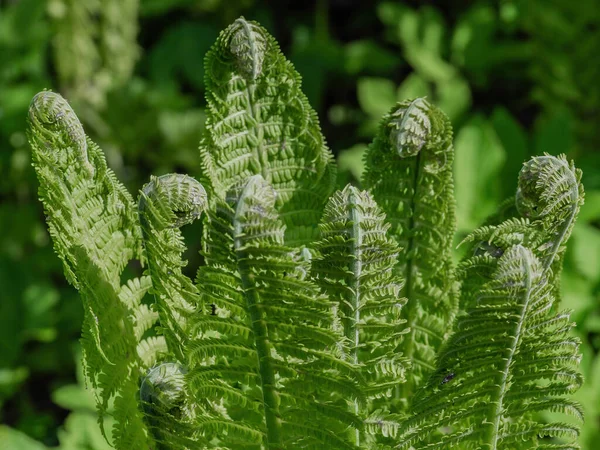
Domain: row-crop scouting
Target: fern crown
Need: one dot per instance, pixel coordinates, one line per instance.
(318, 319)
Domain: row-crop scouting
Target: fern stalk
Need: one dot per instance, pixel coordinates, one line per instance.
(409, 173)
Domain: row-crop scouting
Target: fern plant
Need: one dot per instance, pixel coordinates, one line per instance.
(318, 320)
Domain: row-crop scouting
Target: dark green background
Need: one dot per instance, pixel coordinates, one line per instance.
(517, 78)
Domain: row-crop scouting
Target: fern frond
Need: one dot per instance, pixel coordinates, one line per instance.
(550, 193)
(92, 221)
(354, 266)
(270, 342)
(163, 398)
(409, 173)
(259, 122)
(94, 46)
(509, 358)
(167, 203)
(549, 196)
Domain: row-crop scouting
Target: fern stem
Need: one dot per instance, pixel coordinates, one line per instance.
(264, 348)
(354, 332)
(492, 435)
(405, 390)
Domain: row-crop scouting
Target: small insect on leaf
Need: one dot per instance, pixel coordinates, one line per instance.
(213, 309)
(448, 378)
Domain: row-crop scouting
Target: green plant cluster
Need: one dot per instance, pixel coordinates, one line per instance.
(516, 79)
(360, 333)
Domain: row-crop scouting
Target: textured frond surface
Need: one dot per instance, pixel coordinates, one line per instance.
(409, 173)
(548, 199)
(354, 266)
(509, 359)
(269, 354)
(167, 203)
(259, 122)
(92, 221)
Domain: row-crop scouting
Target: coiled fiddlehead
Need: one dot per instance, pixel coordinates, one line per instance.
(550, 193)
(548, 199)
(260, 123)
(409, 173)
(167, 203)
(54, 125)
(164, 403)
(91, 218)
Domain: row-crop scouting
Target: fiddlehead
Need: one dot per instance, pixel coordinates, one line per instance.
(248, 45)
(53, 125)
(354, 266)
(550, 194)
(409, 173)
(167, 203)
(92, 221)
(548, 199)
(259, 122)
(164, 403)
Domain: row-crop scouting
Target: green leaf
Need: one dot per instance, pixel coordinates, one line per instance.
(81, 431)
(413, 86)
(366, 56)
(352, 160)
(376, 95)
(15, 440)
(479, 160)
(74, 397)
(586, 250)
(454, 97)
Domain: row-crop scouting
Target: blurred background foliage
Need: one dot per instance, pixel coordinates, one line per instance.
(517, 77)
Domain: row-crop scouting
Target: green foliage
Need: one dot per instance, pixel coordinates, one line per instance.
(509, 358)
(259, 122)
(409, 172)
(91, 218)
(525, 70)
(285, 341)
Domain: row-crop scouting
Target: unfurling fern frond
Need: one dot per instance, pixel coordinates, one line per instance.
(548, 199)
(165, 406)
(259, 122)
(269, 355)
(509, 359)
(354, 267)
(298, 337)
(550, 194)
(167, 203)
(409, 173)
(92, 221)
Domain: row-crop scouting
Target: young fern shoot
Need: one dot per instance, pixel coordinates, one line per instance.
(511, 355)
(354, 267)
(409, 173)
(511, 358)
(270, 356)
(315, 322)
(167, 203)
(92, 221)
(260, 122)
